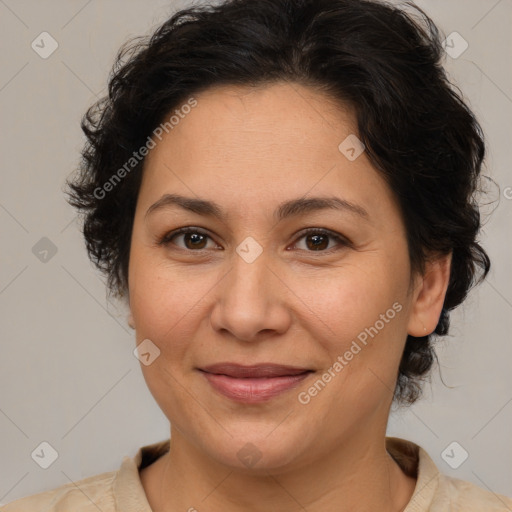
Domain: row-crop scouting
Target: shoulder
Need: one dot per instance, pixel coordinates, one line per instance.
(460, 495)
(90, 494)
(438, 492)
(114, 491)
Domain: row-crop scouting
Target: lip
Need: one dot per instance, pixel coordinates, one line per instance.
(255, 383)
(260, 370)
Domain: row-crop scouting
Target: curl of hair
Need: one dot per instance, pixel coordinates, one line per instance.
(384, 61)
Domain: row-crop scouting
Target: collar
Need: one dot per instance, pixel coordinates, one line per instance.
(414, 461)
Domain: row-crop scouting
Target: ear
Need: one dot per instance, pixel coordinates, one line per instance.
(130, 320)
(429, 294)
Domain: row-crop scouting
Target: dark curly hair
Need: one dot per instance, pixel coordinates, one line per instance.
(384, 61)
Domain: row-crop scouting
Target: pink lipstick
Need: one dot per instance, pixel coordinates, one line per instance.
(255, 383)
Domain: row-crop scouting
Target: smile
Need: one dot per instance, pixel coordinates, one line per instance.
(253, 384)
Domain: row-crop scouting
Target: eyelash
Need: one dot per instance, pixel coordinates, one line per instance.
(166, 239)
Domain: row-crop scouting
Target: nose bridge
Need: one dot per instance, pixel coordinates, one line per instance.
(245, 285)
(249, 266)
(249, 300)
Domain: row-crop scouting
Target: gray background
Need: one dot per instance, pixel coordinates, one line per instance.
(67, 372)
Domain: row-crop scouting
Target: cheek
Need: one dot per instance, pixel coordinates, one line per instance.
(343, 305)
(359, 322)
(167, 307)
(169, 304)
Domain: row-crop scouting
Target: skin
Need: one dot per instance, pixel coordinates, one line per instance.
(249, 149)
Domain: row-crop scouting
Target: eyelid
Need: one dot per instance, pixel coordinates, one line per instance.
(341, 240)
(166, 238)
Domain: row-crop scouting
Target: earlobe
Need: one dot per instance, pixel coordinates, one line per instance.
(429, 296)
(130, 321)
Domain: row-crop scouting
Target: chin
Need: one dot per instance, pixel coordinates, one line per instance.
(254, 450)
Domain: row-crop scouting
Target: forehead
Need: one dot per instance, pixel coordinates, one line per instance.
(261, 144)
(269, 114)
(279, 120)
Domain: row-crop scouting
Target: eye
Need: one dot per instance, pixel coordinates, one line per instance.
(194, 239)
(317, 240)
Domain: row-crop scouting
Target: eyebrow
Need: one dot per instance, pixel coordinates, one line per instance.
(290, 208)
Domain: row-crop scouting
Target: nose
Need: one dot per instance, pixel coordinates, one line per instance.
(251, 301)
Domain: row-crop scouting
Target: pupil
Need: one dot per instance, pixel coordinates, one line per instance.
(194, 238)
(317, 241)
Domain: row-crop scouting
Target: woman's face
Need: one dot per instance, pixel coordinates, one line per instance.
(248, 286)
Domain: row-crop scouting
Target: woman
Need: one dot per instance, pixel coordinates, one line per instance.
(282, 192)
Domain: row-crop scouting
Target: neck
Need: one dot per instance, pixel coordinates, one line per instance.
(345, 479)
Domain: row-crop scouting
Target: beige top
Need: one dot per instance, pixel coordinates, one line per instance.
(122, 491)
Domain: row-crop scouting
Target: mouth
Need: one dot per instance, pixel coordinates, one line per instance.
(256, 383)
